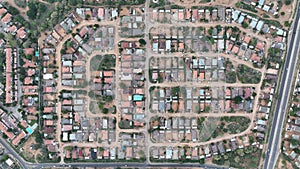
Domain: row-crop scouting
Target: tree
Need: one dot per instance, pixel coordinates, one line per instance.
(294, 142)
(105, 111)
(287, 2)
(13, 10)
(219, 28)
(100, 105)
(207, 109)
(63, 51)
(123, 86)
(175, 90)
(245, 25)
(69, 44)
(91, 94)
(32, 12)
(238, 99)
(292, 113)
(282, 13)
(210, 30)
(235, 29)
(286, 23)
(4, 158)
(142, 42)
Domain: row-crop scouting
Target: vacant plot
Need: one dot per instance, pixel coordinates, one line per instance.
(242, 158)
(235, 125)
(99, 62)
(213, 127)
(230, 76)
(248, 75)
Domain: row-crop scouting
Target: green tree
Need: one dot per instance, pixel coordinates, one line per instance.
(286, 23)
(238, 99)
(287, 2)
(13, 10)
(32, 12)
(105, 111)
(295, 142)
(245, 25)
(142, 42)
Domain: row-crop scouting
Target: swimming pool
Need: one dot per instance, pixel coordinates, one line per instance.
(29, 130)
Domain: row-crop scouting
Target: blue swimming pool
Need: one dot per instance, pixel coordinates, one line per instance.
(29, 130)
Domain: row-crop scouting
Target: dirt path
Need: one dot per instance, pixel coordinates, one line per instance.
(88, 75)
(148, 85)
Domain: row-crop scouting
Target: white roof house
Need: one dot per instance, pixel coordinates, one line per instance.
(48, 76)
(253, 23)
(9, 162)
(259, 25)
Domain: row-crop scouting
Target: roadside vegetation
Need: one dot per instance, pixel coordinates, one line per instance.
(245, 6)
(241, 158)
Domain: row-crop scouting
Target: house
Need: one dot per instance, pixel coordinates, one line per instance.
(259, 25)
(169, 153)
(17, 139)
(233, 144)
(101, 13)
(12, 29)
(2, 43)
(4, 130)
(8, 82)
(214, 149)
(21, 33)
(84, 30)
(2, 11)
(128, 153)
(221, 148)
(7, 18)
(114, 12)
(28, 51)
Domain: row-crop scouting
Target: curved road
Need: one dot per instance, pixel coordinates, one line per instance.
(272, 151)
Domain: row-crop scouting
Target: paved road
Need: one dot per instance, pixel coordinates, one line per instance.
(27, 165)
(283, 96)
(12, 152)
